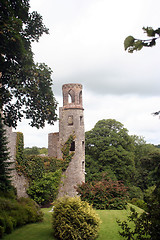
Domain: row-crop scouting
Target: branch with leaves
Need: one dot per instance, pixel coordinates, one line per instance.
(131, 44)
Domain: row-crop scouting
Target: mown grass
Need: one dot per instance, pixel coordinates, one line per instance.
(43, 231)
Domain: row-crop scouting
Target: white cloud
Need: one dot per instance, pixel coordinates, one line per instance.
(85, 45)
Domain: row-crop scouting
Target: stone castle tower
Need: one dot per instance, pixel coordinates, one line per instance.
(71, 121)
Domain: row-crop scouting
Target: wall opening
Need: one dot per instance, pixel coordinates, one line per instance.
(72, 148)
(71, 96)
(80, 98)
(70, 120)
(83, 166)
(81, 120)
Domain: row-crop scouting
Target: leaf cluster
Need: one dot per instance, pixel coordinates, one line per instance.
(132, 44)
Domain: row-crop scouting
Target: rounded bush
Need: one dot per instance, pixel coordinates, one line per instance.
(75, 220)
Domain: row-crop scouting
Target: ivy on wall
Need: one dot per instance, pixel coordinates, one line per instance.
(67, 155)
(41, 171)
(19, 153)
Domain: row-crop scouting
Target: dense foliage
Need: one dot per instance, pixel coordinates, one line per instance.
(109, 149)
(43, 172)
(45, 190)
(104, 194)
(15, 213)
(4, 160)
(75, 220)
(147, 224)
(25, 87)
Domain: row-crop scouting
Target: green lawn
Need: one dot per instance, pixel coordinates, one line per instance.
(43, 231)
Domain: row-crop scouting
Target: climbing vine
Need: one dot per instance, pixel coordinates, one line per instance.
(19, 153)
(43, 173)
(67, 155)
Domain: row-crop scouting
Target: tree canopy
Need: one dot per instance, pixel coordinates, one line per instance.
(109, 149)
(128, 158)
(25, 87)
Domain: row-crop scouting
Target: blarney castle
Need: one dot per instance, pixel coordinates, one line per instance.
(71, 121)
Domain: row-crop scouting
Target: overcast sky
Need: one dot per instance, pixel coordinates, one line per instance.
(85, 46)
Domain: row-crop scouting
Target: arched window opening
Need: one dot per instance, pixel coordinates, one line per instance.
(71, 96)
(80, 97)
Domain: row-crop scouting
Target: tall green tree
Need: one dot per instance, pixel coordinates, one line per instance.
(25, 87)
(110, 149)
(147, 160)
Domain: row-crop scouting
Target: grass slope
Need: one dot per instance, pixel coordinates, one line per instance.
(43, 231)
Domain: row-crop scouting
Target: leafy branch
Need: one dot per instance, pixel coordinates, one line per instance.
(131, 44)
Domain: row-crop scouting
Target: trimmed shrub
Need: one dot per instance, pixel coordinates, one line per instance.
(104, 194)
(75, 220)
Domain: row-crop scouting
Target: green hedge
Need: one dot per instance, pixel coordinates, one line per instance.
(17, 213)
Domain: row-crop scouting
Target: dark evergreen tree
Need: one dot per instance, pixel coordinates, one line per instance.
(4, 156)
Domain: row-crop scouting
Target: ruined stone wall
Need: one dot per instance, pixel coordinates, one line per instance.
(53, 142)
(18, 181)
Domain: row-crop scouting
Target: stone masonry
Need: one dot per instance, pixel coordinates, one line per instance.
(71, 121)
(18, 181)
